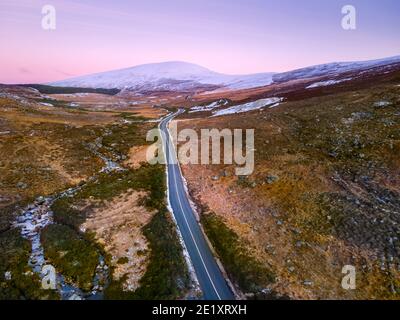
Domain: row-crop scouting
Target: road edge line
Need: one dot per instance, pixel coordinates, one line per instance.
(193, 277)
(236, 292)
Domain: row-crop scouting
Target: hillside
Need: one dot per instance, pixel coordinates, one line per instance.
(324, 193)
(183, 76)
(170, 76)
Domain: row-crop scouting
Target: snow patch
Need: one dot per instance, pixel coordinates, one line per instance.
(250, 106)
(327, 83)
(334, 69)
(209, 107)
(46, 104)
(381, 104)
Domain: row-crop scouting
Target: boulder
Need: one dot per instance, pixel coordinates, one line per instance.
(272, 179)
(22, 185)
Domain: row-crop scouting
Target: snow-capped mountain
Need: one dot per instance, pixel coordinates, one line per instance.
(333, 69)
(182, 76)
(173, 76)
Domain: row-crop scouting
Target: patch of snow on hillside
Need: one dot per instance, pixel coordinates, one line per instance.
(381, 104)
(334, 69)
(326, 83)
(209, 107)
(250, 81)
(250, 106)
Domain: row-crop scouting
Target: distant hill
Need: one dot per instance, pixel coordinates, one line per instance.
(169, 76)
(45, 89)
(182, 76)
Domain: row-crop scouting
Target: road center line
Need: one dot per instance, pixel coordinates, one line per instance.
(183, 213)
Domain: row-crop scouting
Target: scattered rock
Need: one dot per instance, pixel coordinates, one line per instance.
(266, 291)
(308, 283)
(299, 244)
(22, 185)
(269, 248)
(8, 276)
(388, 122)
(333, 154)
(224, 173)
(382, 104)
(75, 297)
(295, 231)
(348, 121)
(272, 179)
(40, 200)
(361, 115)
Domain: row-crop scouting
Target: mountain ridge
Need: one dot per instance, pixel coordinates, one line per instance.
(180, 76)
(173, 75)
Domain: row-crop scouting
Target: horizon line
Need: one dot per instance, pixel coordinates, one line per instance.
(193, 63)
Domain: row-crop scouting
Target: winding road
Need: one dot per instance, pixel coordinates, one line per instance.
(209, 275)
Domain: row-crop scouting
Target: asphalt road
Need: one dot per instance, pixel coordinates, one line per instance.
(211, 280)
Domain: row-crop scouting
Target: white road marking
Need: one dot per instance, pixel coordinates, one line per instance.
(184, 216)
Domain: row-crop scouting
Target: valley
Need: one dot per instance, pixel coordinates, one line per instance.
(108, 235)
(77, 193)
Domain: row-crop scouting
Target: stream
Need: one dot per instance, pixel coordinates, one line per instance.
(38, 216)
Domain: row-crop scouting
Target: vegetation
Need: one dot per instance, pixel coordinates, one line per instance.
(17, 280)
(166, 276)
(132, 117)
(6, 216)
(107, 186)
(250, 274)
(45, 158)
(120, 138)
(326, 187)
(74, 257)
(69, 90)
(47, 152)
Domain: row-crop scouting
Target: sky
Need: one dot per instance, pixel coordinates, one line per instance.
(227, 36)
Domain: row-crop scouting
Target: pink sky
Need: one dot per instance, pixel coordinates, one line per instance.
(236, 37)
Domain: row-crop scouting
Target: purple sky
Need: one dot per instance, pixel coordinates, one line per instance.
(229, 36)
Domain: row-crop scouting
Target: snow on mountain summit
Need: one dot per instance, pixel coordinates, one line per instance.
(333, 69)
(173, 75)
(181, 76)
